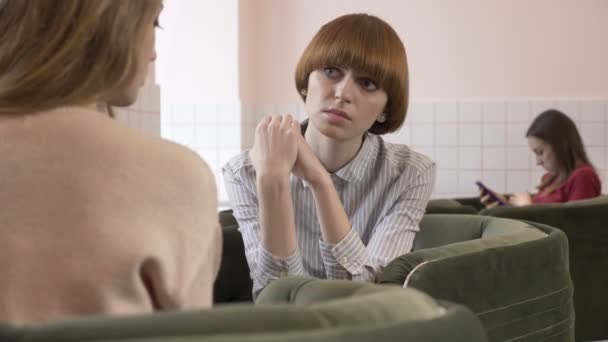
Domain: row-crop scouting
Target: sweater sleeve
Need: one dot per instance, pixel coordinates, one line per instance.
(263, 265)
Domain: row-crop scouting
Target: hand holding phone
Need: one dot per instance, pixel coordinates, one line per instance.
(486, 191)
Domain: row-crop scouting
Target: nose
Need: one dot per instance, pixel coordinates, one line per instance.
(344, 89)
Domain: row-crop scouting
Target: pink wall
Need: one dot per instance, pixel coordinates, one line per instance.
(456, 49)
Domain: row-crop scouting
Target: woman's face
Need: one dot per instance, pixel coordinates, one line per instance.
(545, 155)
(145, 55)
(343, 103)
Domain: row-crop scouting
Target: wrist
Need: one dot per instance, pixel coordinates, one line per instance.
(320, 180)
(267, 180)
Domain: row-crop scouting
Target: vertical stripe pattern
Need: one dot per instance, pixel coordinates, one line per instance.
(384, 191)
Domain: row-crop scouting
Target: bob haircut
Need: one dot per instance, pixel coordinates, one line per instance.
(558, 130)
(68, 52)
(367, 44)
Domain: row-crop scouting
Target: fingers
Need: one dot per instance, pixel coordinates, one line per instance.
(294, 125)
(286, 122)
(491, 205)
(275, 122)
(486, 200)
(263, 124)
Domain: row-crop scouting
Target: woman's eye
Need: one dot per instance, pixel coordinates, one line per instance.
(368, 84)
(332, 72)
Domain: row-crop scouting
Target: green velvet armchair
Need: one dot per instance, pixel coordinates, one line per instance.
(449, 206)
(233, 282)
(486, 263)
(585, 223)
(326, 312)
(513, 275)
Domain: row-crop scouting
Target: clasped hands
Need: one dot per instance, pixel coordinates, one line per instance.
(280, 149)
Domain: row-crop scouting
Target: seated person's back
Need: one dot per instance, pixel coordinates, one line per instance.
(96, 218)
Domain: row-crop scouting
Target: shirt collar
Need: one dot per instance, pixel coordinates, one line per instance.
(355, 170)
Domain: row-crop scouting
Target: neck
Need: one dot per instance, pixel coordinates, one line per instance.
(332, 154)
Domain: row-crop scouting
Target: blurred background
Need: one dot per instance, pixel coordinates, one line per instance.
(480, 71)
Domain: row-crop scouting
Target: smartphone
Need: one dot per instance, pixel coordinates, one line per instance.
(486, 190)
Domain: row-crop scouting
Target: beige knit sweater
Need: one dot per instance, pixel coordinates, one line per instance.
(96, 218)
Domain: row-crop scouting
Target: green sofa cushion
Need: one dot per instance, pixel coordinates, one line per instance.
(318, 294)
(367, 314)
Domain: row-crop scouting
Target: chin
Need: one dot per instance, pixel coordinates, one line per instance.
(331, 131)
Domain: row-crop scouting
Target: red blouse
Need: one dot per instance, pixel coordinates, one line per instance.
(583, 183)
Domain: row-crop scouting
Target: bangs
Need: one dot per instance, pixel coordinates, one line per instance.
(363, 49)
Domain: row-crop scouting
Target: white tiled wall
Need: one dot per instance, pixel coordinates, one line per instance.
(470, 140)
(485, 140)
(213, 130)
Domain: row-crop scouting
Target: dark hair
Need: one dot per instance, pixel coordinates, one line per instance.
(368, 44)
(558, 130)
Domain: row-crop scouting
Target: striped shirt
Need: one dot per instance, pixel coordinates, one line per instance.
(384, 190)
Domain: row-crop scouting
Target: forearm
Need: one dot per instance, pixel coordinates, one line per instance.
(277, 227)
(333, 220)
(344, 254)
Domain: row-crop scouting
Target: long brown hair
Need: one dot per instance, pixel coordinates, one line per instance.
(68, 52)
(368, 44)
(559, 131)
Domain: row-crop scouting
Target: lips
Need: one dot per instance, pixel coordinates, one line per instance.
(337, 112)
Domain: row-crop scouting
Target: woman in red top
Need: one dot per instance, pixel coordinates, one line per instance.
(559, 149)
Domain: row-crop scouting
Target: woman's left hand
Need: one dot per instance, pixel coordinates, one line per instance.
(308, 166)
(520, 199)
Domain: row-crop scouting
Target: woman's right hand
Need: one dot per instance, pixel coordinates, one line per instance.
(275, 146)
(488, 201)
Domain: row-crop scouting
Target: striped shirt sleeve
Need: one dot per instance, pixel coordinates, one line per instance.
(263, 265)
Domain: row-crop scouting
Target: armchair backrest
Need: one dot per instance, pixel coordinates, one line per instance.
(441, 230)
(585, 224)
(377, 304)
(449, 206)
(514, 275)
(383, 313)
(233, 282)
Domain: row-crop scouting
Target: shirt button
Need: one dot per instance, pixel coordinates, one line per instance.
(344, 259)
